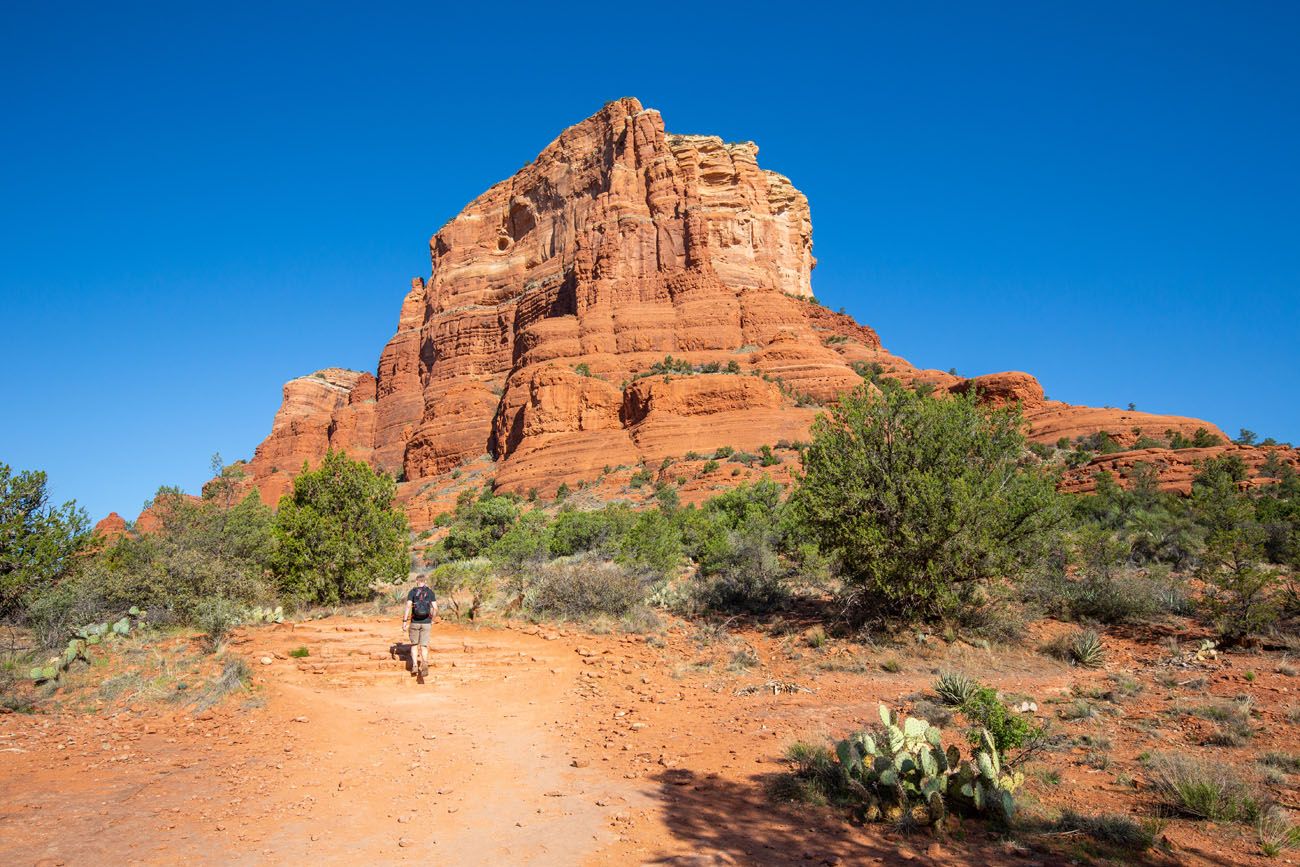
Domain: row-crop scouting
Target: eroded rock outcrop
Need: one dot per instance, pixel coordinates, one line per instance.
(629, 296)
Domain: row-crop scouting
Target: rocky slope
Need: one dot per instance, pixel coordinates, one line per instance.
(541, 337)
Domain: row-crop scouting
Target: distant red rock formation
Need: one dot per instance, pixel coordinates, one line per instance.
(111, 527)
(553, 295)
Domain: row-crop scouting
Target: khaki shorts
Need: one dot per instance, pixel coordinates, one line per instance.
(419, 633)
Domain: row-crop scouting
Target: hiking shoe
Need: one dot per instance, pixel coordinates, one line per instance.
(424, 669)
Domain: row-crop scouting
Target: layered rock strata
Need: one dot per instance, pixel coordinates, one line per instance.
(629, 296)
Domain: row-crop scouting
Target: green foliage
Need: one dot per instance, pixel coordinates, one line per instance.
(582, 369)
(576, 531)
(1203, 790)
(38, 542)
(901, 772)
(922, 500)
(1084, 648)
(216, 617)
(710, 466)
(452, 581)
(1239, 598)
(527, 540)
(651, 543)
(201, 550)
(300, 652)
(1007, 729)
(582, 587)
(1200, 439)
(338, 532)
(640, 478)
(869, 371)
(741, 540)
(955, 689)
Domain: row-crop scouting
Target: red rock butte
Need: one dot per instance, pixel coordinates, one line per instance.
(553, 295)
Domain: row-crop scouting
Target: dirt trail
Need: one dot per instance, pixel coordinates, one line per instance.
(526, 745)
(350, 758)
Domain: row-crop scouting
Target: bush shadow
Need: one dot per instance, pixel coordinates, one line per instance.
(729, 822)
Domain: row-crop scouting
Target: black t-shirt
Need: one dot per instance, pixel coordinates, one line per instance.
(414, 597)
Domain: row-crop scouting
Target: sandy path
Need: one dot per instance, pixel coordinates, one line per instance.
(350, 759)
(537, 745)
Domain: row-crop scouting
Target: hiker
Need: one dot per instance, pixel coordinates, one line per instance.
(421, 606)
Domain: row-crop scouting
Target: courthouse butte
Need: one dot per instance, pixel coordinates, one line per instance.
(522, 357)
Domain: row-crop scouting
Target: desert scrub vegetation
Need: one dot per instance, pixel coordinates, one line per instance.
(211, 562)
(987, 713)
(922, 501)
(901, 772)
(1084, 648)
(1203, 789)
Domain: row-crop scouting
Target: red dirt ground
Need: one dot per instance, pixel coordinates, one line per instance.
(554, 746)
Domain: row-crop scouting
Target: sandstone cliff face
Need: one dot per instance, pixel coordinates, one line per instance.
(332, 408)
(111, 527)
(554, 295)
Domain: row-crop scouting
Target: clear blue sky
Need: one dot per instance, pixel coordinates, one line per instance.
(201, 203)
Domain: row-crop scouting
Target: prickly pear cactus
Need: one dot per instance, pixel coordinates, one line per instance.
(90, 635)
(265, 615)
(903, 770)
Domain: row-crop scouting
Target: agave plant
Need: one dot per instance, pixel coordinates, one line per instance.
(1087, 650)
(955, 689)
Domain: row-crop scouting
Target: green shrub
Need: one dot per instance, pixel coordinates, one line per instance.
(338, 532)
(639, 478)
(300, 652)
(582, 587)
(202, 550)
(1009, 730)
(527, 540)
(923, 501)
(216, 617)
(1127, 596)
(653, 543)
(710, 466)
(575, 531)
(39, 542)
(451, 581)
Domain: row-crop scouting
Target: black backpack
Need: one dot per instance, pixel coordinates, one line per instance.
(422, 603)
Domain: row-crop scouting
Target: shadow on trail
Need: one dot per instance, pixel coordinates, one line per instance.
(728, 822)
(736, 823)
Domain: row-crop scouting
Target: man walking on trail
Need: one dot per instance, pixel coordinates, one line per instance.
(421, 606)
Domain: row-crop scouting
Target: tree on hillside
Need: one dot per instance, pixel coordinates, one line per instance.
(923, 500)
(37, 540)
(338, 532)
(1239, 598)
